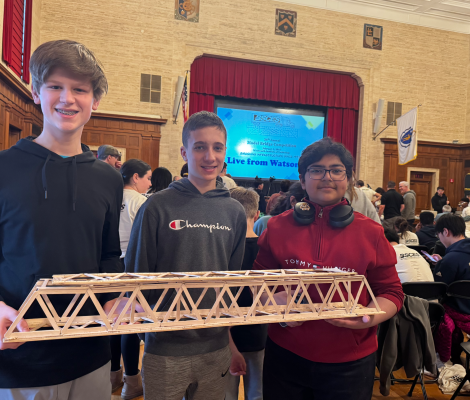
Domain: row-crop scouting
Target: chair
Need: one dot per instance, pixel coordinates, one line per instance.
(426, 290)
(461, 290)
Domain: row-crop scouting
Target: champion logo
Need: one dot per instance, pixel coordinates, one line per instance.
(179, 224)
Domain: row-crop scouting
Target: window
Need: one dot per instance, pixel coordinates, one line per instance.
(17, 20)
(150, 88)
(393, 112)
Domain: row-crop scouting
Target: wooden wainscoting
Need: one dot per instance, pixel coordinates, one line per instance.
(140, 136)
(436, 165)
(19, 116)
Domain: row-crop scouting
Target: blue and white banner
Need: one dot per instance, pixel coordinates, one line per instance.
(407, 137)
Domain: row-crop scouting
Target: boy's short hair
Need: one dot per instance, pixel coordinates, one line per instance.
(453, 223)
(360, 183)
(73, 57)
(199, 120)
(248, 198)
(391, 235)
(285, 185)
(391, 184)
(316, 151)
(440, 187)
(426, 218)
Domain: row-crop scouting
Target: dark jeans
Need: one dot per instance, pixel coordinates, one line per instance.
(289, 376)
(129, 347)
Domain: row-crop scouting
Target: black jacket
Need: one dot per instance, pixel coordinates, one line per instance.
(438, 202)
(455, 266)
(406, 341)
(427, 236)
(57, 216)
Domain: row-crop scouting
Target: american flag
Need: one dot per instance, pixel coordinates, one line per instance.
(184, 98)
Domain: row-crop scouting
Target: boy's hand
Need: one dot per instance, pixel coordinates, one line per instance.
(7, 316)
(109, 305)
(238, 364)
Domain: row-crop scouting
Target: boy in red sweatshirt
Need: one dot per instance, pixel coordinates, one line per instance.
(327, 359)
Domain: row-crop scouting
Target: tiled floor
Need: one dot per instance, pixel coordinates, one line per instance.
(398, 391)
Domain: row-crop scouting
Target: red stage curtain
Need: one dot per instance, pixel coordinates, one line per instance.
(212, 77)
(27, 39)
(7, 30)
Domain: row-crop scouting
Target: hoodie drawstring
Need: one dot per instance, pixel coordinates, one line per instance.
(44, 178)
(74, 182)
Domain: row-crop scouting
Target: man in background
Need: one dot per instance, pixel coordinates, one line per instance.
(409, 198)
(110, 155)
(445, 210)
(439, 200)
(391, 206)
(367, 191)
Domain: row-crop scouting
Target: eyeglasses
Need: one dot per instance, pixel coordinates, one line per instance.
(336, 174)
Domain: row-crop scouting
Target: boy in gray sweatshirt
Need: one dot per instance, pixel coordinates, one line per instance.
(194, 225)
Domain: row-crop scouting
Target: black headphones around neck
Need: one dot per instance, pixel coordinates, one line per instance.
(340, 216)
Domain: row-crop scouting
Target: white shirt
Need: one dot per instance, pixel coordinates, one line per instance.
(465, 212)
(229, 183)
(131, 202)
(368, 192)
(411, 266)
(409, 239)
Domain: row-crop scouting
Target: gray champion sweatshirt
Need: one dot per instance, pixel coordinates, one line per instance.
(181, 230)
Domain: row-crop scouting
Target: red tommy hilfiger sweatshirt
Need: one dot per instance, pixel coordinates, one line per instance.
(360, 247)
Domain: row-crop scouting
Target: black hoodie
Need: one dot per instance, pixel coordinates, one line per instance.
(57, 216)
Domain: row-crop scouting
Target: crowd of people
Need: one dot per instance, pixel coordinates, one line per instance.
(65, 211)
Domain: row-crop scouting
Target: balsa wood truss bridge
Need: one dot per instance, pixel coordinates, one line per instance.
(184, 311)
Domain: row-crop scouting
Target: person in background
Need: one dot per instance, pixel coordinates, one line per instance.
(259, 186)
(439, 200)
(454, 266)
(228, 182)
(425, 230)
(377, 196)
(136, 175)
(409, 198)
(411, 266)
(367, 191)
(445, 210)
(391, 205)
(360, 203)
(110, 155)
(285, 184)
(251, 339)
(406, 237)
(184, 171)
(285, 202)
(161, 179)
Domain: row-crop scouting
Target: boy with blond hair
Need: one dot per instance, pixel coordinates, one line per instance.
(59, 214)
(251, 339)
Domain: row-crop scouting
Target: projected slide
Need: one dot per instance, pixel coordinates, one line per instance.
(267, 144)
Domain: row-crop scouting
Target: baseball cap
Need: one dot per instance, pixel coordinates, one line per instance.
(107, 150)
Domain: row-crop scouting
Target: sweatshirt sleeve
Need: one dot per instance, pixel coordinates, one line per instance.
(238, 252)
(111, 246)
(383, 277)
(408, 206)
